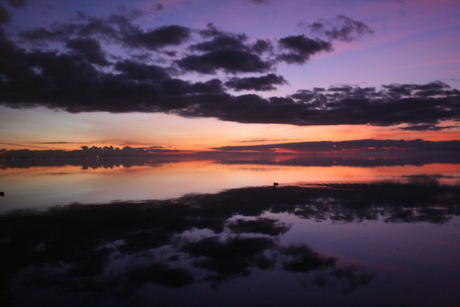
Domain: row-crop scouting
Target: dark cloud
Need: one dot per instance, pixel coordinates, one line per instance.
(5, 16)
(211, 86)
(222, 42)
(229, 60)
(225, 51)
(16, 3)
(47, 143)
(116, 28)
(262, 140)
(261, 46)
(301, 48)
(89, 48)
(159, 6)
(221, 39)
(341, 28)
(262, 83)
(161, 37)
(260, 1)
(57, 32)
(72, 82)
(427, 127)
(354, 146)
(83, 76)
(436, 88)
(211, 30)
(140, 72)
(347, 106)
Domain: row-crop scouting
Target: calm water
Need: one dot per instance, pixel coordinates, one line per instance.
(336, 231)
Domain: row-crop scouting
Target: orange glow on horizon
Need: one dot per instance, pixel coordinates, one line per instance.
(43, 130)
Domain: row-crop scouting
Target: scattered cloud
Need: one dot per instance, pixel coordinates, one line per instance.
(50, 143)
(21, 145)
(147, 73)
(342, 28)
(263, 140)
(262, 83)
(90, 48)
(160, 37)
(141, 72)
(228, 60)
(301, 48)
(260, 1)
(222, 41)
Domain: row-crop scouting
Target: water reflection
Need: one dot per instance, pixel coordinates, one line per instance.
(137, 253)
(369, 159)
(41, 184)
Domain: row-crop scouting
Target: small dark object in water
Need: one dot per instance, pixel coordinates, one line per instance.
(275, 183)
(2, 194)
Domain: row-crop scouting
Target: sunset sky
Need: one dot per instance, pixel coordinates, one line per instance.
(199, 74)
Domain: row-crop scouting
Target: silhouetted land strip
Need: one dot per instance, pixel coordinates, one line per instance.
(377, 147)
(85, 152)
(92, 163)
(366, 159)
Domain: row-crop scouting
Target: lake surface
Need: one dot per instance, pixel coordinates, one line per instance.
(214, 231)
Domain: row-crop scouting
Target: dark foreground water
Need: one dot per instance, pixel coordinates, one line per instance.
(183, 232)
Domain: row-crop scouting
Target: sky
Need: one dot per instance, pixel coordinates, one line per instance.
(200, 74)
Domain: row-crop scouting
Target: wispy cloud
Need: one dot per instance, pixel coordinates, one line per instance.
(263, 140)
(342, 28)
(54, 143)
(22, 145)
(260, 1)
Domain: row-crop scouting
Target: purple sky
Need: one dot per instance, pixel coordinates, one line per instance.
(198, 74)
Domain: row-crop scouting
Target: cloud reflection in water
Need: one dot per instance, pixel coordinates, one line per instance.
(113, 253)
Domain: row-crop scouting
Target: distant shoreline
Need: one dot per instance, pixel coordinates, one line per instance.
(354, 147)
(357, 159)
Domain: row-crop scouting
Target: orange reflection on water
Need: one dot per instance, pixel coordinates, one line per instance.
(448, 173)
(40, 187)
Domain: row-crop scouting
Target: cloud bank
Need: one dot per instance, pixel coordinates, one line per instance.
(112, 64)
(355, 146)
